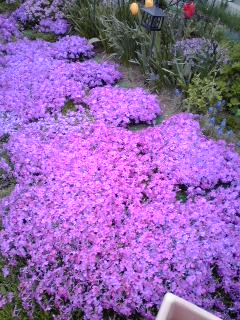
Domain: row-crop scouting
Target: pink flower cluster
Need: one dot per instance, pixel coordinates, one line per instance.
(121, 107)
(96, 217)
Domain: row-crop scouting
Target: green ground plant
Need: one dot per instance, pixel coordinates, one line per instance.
(8, 7)
(122, 38)
(33, 35)
(202, 94)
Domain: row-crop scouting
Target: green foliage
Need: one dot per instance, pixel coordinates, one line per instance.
(201, 94)
(216, 12)
(235, 52)
(33, 35)
(230, 84)
(233, 121)
(229, 80)
(158, 61)
(122, 13)
(88, 20)
(116, 28)
(123, 39)
(7, 285)
(83, 19)
(176, 70)
(69, 106)
(8, 7)
(4, 138)
(199, 27)
(6, 184)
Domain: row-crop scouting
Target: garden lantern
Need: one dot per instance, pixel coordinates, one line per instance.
(152, 20)
(189, 9)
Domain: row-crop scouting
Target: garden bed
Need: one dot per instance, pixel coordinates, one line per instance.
(111, 194)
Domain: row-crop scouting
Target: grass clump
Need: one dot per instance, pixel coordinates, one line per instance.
(34, 35)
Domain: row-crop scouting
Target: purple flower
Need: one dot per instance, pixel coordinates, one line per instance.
(223, 123)
(211, 110)
(5, 272)
(105, 218)
(73, 48)
(45, 78)
(178, 92)
(95, 215)
(33, 11)
(230, 133)
(59, 26)
(219, 105)
(3, 301)
(120, 107)
(194, 48)
(212, 121)
(8, 29)
(219, 131)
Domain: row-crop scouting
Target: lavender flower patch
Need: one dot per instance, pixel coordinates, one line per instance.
(35, 10)
(4, 300)
(58, 27)
(73, 48)
(20, 15)
(93, 74)
(6, 176)
(197, 47)
(121, 107)
(95, 215)
(8, 29)
(9, 123)
(34, 82)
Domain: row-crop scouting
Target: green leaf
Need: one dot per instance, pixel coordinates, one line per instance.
(238, 113)
(234, 101)
(94, 40)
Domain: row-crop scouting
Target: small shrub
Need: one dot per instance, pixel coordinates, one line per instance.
(113, 24)
(229, 80)
(157, 62)
(122, 38)
(202, 55)
(202, 93)
(81, 16)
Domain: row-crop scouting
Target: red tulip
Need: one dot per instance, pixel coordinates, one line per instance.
(189, 9)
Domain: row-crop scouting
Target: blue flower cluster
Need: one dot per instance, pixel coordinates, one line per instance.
(220, 129)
